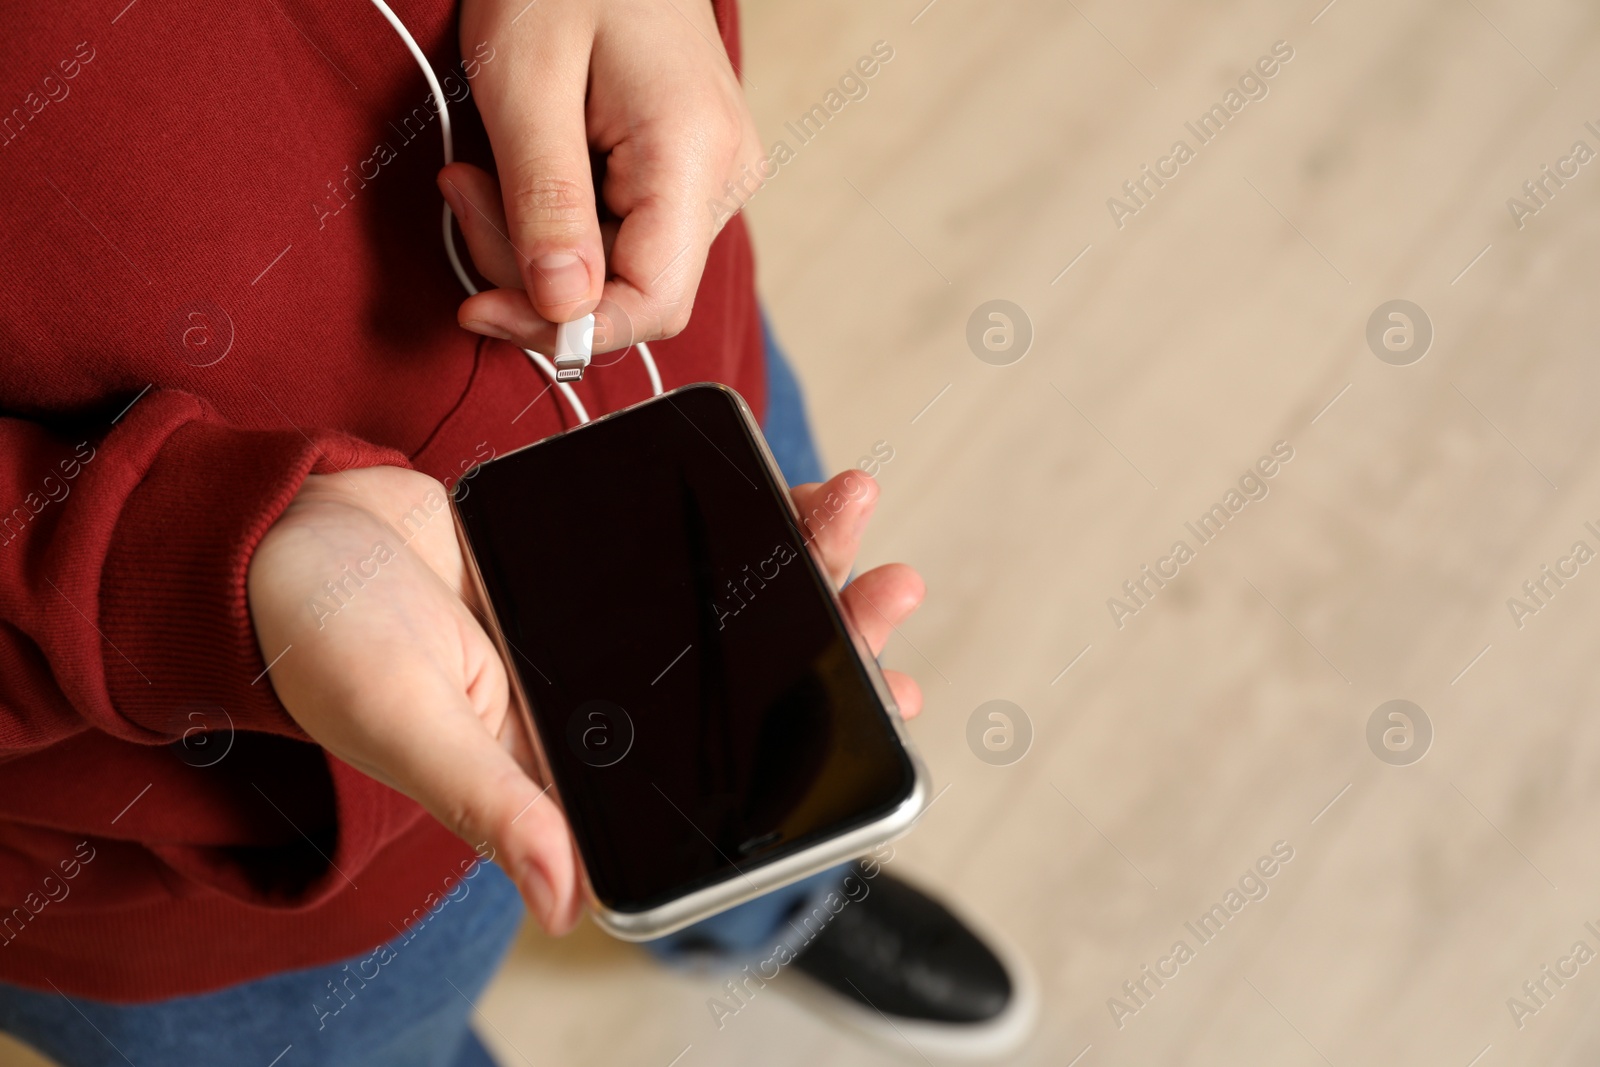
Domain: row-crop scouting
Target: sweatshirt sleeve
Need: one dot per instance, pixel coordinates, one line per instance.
(123, 555)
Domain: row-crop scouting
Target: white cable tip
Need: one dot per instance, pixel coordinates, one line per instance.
(574, 346)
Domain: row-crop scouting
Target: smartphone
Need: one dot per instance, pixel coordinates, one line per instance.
(703, 711)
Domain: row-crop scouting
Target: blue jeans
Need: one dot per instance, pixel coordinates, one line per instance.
(415, 1012)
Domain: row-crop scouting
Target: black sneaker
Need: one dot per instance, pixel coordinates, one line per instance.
(897, 966)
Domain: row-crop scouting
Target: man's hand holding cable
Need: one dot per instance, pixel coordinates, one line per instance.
(645, 88)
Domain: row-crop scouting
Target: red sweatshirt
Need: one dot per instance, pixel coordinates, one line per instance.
(222, 270)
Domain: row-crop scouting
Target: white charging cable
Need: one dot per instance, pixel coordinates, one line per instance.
(574, 340)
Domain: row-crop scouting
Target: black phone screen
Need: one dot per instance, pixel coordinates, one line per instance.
(699, 700)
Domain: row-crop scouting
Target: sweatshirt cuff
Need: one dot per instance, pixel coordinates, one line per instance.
(173, 609)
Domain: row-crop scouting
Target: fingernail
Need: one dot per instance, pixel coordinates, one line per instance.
(539, 891)
(560, 278)
(488, 329)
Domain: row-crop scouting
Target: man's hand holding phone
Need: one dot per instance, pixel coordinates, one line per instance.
(402, 683)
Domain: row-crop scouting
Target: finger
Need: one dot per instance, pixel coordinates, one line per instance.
(657, 272)
(468, 781)
(660, 189)
(474, 198)
(507, 314)
(534, 112)
(882, 599)
(835, 514)
(907, 693)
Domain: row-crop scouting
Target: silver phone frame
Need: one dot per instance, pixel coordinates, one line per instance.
(744, 885)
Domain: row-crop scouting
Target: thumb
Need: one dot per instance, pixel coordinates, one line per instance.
(467, 780)
(542, 151)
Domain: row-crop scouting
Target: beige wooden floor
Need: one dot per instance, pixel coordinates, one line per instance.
(1228, 714)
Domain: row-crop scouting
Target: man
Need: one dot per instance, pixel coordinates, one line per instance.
(231, 356)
